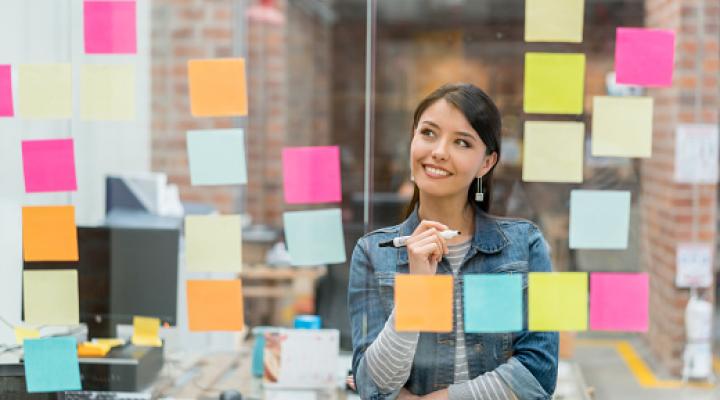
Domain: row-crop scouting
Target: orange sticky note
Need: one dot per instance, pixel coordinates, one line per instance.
(217, 87)
(49, 233)
(215, 305)
(423, 303)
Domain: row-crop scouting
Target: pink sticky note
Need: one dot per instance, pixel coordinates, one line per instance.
(49, 165)
(644, 57)
(6, 102)
(619, 301)
(110, 27)
(311, 174)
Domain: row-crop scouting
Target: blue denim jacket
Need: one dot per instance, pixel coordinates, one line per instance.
(527, 361)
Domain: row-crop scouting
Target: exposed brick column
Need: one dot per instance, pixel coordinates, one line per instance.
(670, 210)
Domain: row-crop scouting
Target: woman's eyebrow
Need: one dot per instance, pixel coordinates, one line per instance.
(461, 133)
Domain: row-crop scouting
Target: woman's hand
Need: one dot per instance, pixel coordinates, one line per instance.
(406, 395)
(438, 395)
(426, 247)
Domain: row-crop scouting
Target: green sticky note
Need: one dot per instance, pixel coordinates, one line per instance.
(599, 219)
(51, 364)
(217, 157)
(557, 301)
(493, 303)
(554, 83)
(315, 237)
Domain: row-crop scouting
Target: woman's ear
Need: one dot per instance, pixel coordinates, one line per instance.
(488, 162)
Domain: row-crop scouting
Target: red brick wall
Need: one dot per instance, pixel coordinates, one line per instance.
(667, 207)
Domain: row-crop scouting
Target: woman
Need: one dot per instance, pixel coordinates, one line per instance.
(455, 147)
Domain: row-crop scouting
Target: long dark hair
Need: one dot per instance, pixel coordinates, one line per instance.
(484, 117)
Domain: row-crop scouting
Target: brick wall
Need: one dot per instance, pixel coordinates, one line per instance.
(667, 207)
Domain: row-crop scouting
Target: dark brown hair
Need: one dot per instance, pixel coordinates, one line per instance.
(482, 114)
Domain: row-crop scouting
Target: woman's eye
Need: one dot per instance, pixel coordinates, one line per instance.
(463, 143)
(427, 132)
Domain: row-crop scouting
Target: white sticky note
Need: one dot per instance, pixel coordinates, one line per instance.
(696, 153)
(599, 219)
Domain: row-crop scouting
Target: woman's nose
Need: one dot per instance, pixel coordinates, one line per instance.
(440, 151)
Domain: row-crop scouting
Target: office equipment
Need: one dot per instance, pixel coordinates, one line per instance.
(126, 368)
(96, 395)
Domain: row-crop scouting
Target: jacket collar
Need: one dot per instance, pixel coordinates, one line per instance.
(488, 237)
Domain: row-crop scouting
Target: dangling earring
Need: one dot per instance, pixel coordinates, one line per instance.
(479, 196)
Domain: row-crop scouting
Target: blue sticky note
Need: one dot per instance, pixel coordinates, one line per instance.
(493, 303)
(315, 237)
(51, 364)
(217, 157)
(599, 219)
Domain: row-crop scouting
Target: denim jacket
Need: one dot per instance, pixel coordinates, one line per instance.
(526, 361)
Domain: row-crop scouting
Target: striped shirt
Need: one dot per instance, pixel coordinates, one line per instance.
(389, 358)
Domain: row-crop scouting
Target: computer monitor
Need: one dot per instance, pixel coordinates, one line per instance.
(123, 272)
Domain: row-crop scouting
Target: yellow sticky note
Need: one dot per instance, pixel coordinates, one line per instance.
(554, 20)
(112, 342)
(107, 92)
(89, 349)
(217, 87)
(45, 91)
(554, 83)
(146, 331)
(553, 151)
(424, 303)
(50, 297)
(557, 301)
(622, 126)
(213, 243)
(25, 333)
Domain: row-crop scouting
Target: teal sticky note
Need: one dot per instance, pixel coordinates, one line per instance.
(315, 237)
(493, 303)
(51, 364)
(217, 157)
(599, 219)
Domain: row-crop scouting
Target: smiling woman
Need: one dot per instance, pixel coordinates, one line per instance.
(455, 146)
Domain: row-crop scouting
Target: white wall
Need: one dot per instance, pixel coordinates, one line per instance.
(50, 31)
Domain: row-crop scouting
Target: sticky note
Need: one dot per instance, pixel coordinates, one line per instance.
(25, 333)
(423, 303)
(215, 305)
(45, 91)
(146, 331)
(696, 153)
(557, 301)
(311, 174)
(644, 57)
(217, 157)
(213, 243)
(314, 237)
(622, 126)
(107, 92)
(217, 87)
(51, 364)
(110, 27)
(553, 151)
(599, 219)
(493, 303)
(49, 165)
(619, 301)
(554, 20)
(50, 297)
(6, 99)
(554, 83)
(49, 233)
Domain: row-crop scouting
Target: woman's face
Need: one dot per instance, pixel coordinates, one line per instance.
(446, 153)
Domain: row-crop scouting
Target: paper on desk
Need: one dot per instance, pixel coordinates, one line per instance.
(217, 87)
(49, 233)
(557, 301)
(311, 174)
(217, 157)
(315, 237)
(553, 151)
(619, 301)
(51, 364)
(45, 91)
(554, 20)
(146, 331)
(493, 303)
(423, 303)
(622, 126)
(49, 165)
(110, 27)
(215, 305)
(644, 57)
(301, 358)
(213, 243)
(599, 219)
(25, 333)
(50, 297)
(107, 92)
(554, 83)
(6, 96)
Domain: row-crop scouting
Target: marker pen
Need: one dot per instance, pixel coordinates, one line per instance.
(400, 240)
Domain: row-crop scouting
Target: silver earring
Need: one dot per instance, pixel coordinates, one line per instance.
(412, 178)
(479, 196)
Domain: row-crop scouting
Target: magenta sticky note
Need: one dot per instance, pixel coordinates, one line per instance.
(49, 165)
(311, 174)
(6, 101)
(110, 27)
(644, 57)
(619, 301)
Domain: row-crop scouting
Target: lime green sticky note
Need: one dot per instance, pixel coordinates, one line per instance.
(554, 83)
(213, 243)
(554, 20)
(553, 151)
(45, 91)
(50, 297)
(622, 126)
(557, 301)
(107, 92)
